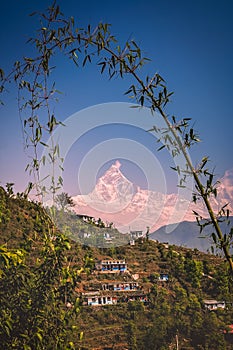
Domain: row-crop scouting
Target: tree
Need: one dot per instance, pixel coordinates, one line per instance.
(82, 46)
(36, 284)
(194, 271)
(131, 338)
(100, 223)
(64, 201)
(158, 335)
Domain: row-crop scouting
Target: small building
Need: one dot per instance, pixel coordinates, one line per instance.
(136, 234)
(112, 297)
(163, 277)
(86, 218)
(111, 266)
(131, 242)
(120, 286)
(96, 299)
(107, 237)
(212, 305)
(86, 235)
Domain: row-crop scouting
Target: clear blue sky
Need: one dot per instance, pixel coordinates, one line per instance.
(190, 44)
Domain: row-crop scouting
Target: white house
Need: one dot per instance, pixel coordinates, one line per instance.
(96, 299)
(214, 304)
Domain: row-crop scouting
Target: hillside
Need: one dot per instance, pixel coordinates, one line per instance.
(170, 290)
(89, 231)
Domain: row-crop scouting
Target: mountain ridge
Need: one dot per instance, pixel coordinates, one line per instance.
(187, 234)
(116, 199)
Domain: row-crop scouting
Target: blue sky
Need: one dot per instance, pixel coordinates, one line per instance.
(189, 43)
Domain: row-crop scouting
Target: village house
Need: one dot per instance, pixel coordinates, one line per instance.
(131, 242)
(109, 292)
(91, 220)
(86, 218)
(111, 266)
(212, 305)
(107, 237)
(163, 277)
(136, 234)
(86, 235)
(120, 286)
(94, 298)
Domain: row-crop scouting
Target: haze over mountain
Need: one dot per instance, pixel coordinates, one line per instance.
(116, 199)
(187, 234)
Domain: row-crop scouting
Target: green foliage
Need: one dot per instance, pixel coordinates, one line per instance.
(41, 270)
(158, 335)
(36, 285)
(223, 283)
(4, 211)
(131, 338)
(194, 270)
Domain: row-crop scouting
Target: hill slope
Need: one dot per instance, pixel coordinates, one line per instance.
(174, 306)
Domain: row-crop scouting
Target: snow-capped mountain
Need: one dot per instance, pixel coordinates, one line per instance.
(116, 199)
(113, 188)
(225, 188)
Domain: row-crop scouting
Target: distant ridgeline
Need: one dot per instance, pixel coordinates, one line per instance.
(187, 234)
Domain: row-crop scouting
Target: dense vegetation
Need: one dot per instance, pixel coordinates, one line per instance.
(42, 273)
(36, 281)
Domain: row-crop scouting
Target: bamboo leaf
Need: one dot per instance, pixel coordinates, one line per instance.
(160, 148)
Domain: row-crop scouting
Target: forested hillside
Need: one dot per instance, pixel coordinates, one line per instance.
(49, 284)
